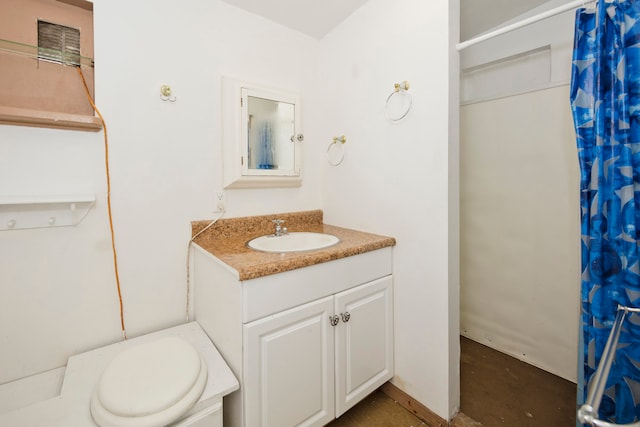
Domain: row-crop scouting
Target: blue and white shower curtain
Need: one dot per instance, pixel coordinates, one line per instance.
(605, 98)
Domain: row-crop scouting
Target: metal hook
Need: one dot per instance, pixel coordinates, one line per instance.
(165, 93)
(401, 86)
(342, 139)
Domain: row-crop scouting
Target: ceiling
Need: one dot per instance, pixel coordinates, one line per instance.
(312, 17)
(317, 17)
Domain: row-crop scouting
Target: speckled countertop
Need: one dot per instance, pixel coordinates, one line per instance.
(227, 240)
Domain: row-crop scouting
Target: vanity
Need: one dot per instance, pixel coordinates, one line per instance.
(308, 333)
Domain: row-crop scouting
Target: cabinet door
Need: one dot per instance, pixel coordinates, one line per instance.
(364, 341)
(289, 367)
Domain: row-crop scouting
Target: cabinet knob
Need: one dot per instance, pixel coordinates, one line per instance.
(334, 320)
(345, 316)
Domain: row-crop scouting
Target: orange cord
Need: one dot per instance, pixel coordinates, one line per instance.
(106, 161)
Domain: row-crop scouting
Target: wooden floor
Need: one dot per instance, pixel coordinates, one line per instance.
(377, 410)
(497, 390)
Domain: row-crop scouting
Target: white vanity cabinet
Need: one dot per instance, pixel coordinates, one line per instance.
(307, 344)
(310, 364)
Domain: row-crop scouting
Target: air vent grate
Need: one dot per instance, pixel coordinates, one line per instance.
(59, 44)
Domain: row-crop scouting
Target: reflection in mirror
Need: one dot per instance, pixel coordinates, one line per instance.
(271, 128)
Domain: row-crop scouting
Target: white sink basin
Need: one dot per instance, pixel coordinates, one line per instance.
(293, 242)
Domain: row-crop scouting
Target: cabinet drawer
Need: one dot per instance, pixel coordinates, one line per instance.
(271, 294)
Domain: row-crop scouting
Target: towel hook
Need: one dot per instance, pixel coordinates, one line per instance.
(165, 93)
(404, 86)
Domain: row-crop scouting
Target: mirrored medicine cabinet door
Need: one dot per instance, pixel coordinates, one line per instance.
(264, 149)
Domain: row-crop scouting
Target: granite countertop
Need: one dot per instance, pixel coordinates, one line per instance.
(227, 240)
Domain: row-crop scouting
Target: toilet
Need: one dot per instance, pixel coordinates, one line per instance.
(174, 377)
(149, 385)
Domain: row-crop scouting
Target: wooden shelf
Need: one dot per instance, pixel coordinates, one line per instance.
(48, 119)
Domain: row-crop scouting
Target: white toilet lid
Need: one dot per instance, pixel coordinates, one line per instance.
(151, 384)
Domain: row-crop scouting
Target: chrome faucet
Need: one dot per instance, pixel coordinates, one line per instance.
(280, 230)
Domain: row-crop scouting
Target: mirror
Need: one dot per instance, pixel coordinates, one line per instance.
(262, 143)
(270, 134)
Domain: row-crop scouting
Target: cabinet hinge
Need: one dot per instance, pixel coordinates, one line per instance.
(241, 102)
(241, 160)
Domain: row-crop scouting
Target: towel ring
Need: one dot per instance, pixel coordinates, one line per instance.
(340, 156)
(398, 102)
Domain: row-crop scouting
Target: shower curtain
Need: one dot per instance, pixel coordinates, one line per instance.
(605, 98)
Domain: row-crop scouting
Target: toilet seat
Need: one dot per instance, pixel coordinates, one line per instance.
(149, 385)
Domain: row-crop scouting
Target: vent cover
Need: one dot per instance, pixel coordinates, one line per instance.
(59, 44)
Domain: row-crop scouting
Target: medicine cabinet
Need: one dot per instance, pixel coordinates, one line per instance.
(261, 136)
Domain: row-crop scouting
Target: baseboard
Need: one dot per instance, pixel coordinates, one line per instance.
(412, 405)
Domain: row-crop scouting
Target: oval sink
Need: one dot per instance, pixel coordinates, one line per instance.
(293, 242)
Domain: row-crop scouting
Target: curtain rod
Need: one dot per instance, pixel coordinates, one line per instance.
(528, 21)
(588, 412)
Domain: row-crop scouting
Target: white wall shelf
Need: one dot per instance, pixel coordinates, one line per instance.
(20, 212)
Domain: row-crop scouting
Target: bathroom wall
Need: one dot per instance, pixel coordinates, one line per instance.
(400, 179)
(57, 292)
(520, 246)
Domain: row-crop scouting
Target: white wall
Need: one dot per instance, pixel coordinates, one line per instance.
(520, 246)
(395, 177)
(58, 292)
